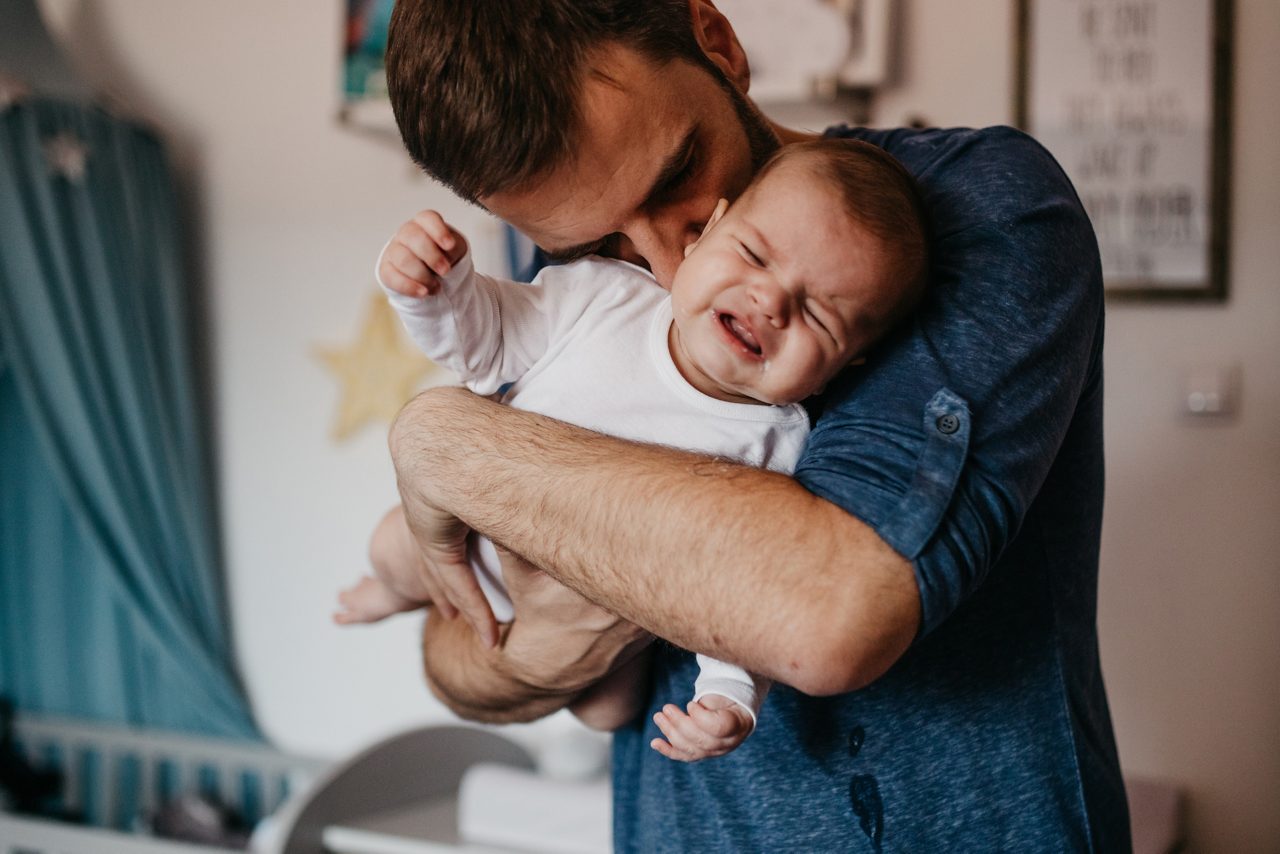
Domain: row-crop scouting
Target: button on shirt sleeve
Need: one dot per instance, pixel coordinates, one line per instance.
(942, 442)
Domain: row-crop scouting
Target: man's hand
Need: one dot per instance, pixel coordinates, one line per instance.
(443, 567)
(423, 249)
(566, 642)
(558, 646)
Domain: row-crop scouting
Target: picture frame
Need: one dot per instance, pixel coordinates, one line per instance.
(364, 106)
(1133, 97)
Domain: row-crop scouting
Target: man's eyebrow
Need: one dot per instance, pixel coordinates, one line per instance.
(671, 169)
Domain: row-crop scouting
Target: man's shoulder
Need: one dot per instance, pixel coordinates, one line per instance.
(932, 151)
(976, 176)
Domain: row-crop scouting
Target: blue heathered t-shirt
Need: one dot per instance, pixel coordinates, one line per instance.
(972, 443)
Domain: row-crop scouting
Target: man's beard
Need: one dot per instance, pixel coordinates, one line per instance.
(761, 139)
(762, 142)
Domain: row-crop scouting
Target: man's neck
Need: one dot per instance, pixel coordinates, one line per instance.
(786, 135)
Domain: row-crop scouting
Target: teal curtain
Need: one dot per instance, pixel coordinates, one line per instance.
(112, 603)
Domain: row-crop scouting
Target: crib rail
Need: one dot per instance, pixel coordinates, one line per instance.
(112, 774)
(34, 836)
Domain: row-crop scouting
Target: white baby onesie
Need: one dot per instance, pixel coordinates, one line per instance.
(587, 343)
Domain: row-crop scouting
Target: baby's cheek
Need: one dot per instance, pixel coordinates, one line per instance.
(804, 373)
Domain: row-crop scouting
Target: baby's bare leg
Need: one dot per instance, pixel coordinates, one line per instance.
(396, 585)
(395, 555)
(369, 601)
(617, 698)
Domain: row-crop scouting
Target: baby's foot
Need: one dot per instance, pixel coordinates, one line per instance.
(370, 601)
(713, 726)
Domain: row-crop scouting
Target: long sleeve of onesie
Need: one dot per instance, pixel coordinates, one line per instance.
(487, 331)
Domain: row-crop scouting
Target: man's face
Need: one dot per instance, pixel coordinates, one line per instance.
(778, 295)
(658, 146)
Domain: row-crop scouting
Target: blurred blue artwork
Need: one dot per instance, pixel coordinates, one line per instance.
(366, 47)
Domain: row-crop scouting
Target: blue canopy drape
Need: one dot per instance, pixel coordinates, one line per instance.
(111, 605)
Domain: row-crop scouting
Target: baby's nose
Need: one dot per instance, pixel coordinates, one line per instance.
(773, 302)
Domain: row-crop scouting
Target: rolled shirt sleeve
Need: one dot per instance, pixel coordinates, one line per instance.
(943, 440)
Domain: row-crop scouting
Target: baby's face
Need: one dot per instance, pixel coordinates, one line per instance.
(775, 297)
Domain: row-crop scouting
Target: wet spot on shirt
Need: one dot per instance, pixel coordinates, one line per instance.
(822, 736)
(864, 797)
(857, 735)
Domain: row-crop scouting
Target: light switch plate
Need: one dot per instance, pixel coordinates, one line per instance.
(1211, 391)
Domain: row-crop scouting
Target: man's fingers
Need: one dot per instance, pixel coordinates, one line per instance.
(464, 593)
(437, 595)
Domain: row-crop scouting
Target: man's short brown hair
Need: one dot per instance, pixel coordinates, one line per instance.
(486, 92)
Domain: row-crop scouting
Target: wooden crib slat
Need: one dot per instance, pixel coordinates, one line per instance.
(146, 783)
(229, 785)
(73, 759)
(108, 768)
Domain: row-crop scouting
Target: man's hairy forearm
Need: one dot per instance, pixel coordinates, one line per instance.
(738, 563)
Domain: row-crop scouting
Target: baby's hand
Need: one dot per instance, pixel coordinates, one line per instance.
(714, 726)
(424, 249)
(370, 601)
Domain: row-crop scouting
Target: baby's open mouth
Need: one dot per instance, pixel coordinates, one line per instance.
(739, 331)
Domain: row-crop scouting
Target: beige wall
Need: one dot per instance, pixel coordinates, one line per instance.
(291, 211)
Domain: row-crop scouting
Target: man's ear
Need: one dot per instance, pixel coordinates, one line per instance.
(721, 207)
(720, 43)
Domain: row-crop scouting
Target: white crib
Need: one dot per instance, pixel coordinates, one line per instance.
(113, 775)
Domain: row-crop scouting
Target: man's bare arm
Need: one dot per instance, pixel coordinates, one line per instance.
(738, 563)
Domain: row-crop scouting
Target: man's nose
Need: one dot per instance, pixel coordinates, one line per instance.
(661, 243)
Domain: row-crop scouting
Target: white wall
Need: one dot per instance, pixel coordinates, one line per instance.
(292, 209)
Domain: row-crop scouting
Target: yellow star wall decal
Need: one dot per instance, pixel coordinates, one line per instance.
(378, 373)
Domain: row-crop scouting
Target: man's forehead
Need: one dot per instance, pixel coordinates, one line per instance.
(611, 176)
(637, 118)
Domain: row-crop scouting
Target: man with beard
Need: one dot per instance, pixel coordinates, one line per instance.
(926, 582)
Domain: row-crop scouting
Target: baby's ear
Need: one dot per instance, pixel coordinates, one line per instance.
(721, 207)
